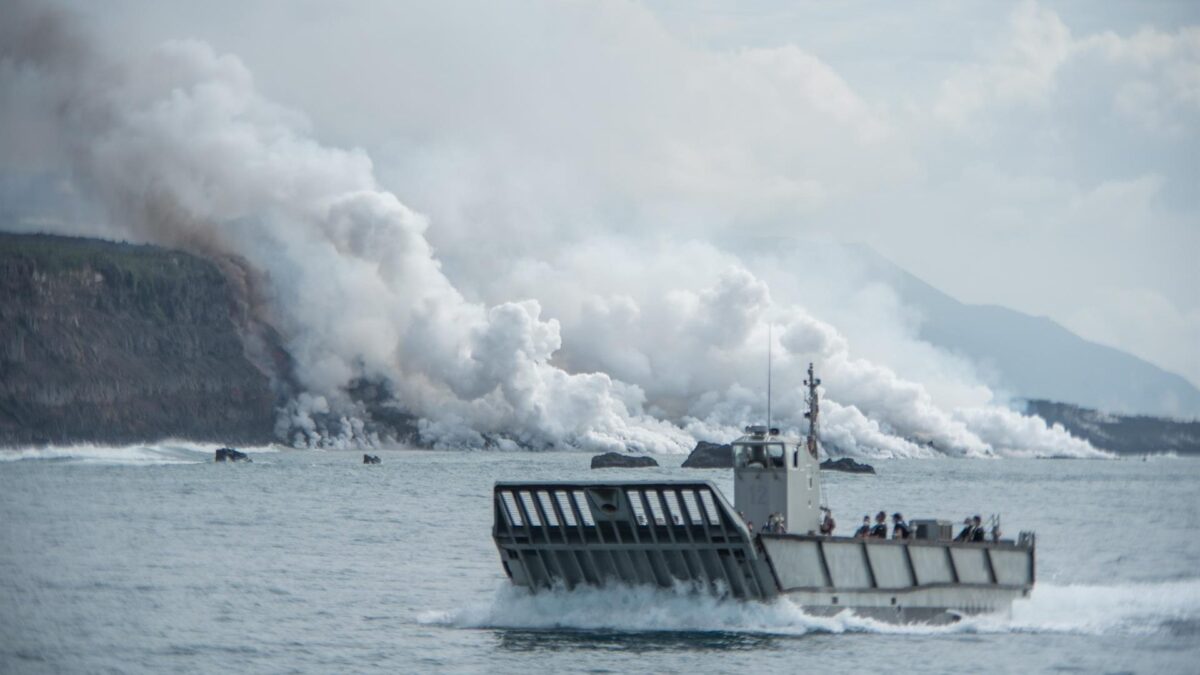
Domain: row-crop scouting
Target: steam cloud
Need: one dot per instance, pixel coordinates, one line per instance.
(181, 149)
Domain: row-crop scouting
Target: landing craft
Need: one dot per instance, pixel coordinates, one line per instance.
(663, 533)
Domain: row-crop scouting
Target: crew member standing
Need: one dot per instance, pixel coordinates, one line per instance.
(977, 533)
(827, 524)
(880, 529)
(864, 531)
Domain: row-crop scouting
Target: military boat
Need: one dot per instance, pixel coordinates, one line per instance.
(667, 533)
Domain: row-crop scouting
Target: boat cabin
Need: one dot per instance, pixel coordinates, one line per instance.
(775, 474)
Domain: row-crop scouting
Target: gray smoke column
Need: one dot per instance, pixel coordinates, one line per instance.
(180, 149)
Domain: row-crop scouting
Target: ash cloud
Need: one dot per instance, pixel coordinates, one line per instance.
(180, 148)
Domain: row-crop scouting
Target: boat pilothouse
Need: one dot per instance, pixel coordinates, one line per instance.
(775, 475)
(597, 533)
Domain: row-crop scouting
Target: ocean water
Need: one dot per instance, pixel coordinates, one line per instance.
(154, 559)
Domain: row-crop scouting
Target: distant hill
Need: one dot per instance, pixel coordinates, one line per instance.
(1122, 434)
(1036, 358)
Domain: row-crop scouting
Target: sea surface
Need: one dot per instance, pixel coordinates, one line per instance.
(155, 559)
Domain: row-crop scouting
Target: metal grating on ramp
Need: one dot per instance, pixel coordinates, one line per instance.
(572, 534)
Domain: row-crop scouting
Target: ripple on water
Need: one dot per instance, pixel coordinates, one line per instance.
(304, 563)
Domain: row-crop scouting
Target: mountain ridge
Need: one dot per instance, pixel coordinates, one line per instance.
(1035, 357)
(1122, 434)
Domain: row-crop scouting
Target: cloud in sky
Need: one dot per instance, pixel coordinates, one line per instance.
(1052, 147)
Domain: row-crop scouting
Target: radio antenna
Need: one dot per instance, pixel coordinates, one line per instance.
(769, 340)
(814, 409)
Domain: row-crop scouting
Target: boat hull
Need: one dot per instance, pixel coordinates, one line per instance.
(912, 577)
(667, 534)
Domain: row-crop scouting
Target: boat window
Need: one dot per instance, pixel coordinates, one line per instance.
(689, 504)
(547, 508)
(585, 511)
(530, 512)
(656, 509)
(635, 501)
(710, 507)
(510, 507)
(759, 455)
(564, 505)
(673, 509)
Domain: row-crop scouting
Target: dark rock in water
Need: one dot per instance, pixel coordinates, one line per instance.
(710, 456)
(371, 459)
(848, 465)
(616, 460)
(231, 455)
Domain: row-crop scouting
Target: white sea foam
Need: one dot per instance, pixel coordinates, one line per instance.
(1130, 608)
(1101, 609)
(1153, 456)
(149, 454)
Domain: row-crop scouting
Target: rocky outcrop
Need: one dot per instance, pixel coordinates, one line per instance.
(230, 455)
(372, 459)
(1122, 434)
(710, 456)
(846, 464)
(117, 343)
(616, 460)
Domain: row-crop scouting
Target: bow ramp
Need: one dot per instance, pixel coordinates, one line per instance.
(595, 533)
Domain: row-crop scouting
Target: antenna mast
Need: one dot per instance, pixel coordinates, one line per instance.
(769, 378)
(814, 409)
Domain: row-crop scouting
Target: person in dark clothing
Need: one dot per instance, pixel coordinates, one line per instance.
(880, 529)
(864, 531)
(968, 528)
(899, 527)
(977, 533)
(827, 524)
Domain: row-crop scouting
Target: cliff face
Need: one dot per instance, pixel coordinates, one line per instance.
(117, 343)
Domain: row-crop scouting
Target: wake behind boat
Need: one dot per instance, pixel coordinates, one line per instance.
(597, 533)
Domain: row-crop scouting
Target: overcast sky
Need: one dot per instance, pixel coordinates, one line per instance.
(1040, 156)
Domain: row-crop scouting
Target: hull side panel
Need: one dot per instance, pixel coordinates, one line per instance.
(932, 565)
(848, 565)
(899, 575)
(971, 565)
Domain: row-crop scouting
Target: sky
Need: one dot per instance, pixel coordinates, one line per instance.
(1039, 156)
(583, 223)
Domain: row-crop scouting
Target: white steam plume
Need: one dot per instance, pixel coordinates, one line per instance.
(181, 149)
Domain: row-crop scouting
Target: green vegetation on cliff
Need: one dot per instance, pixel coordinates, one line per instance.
(112, 342)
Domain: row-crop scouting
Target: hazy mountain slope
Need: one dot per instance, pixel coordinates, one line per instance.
(1036, 358)
(1124, 434)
